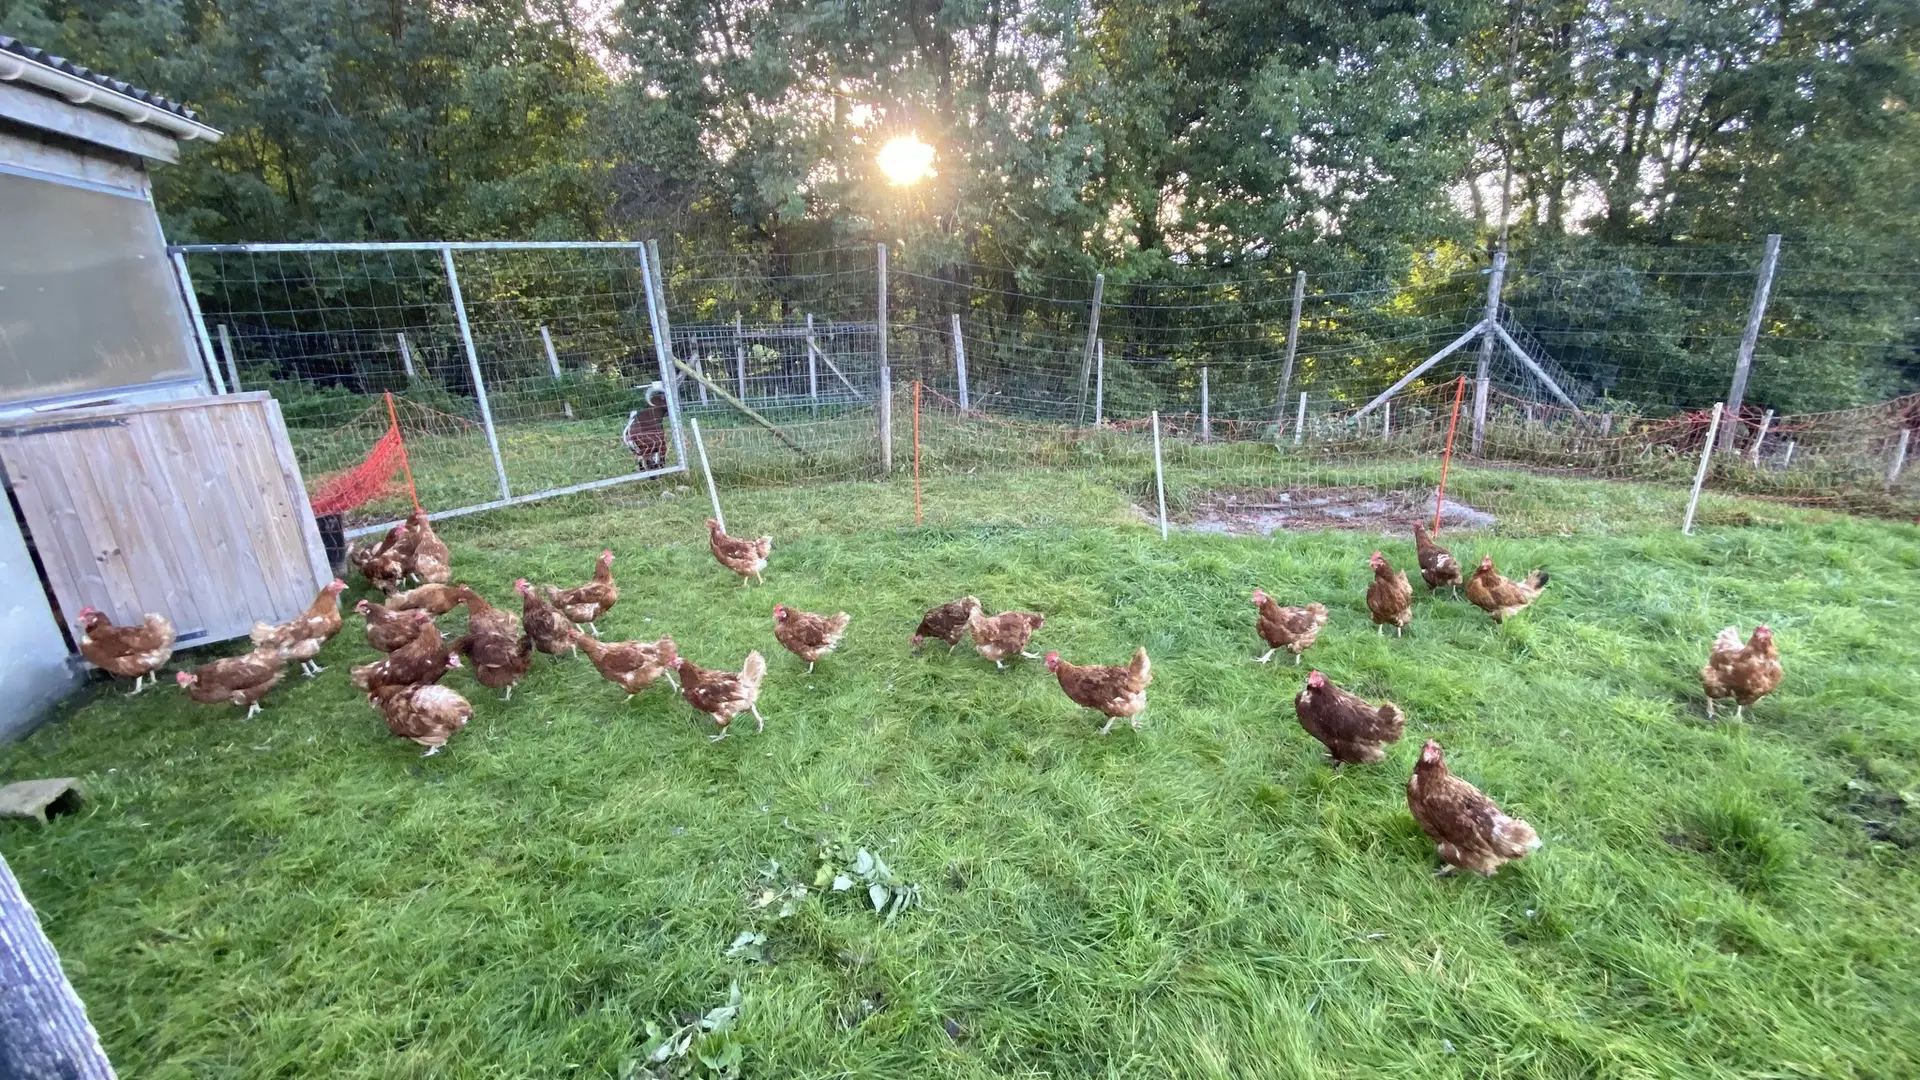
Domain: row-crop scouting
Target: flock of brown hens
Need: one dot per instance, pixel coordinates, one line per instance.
(1469, 830)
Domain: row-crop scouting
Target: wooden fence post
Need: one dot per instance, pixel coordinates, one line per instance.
(1481, 382)
(1206, 413)
(226, 351)
(1293, 347)
(1743, 361)
(960, 362)
(1093, 337)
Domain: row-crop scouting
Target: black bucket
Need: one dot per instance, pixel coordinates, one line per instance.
(333, 536)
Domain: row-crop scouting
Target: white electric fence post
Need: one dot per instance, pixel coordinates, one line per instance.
(1754, 450)
(406, 356)
(1899, 457)
(1482, 375)
(473, 365)
(1099, 382)
(1300, 422)
(1159, 475)
(1293, 346)
(1700, 476)
(886, 377)
(185, 281)
(813, 367)
(739, 357)
(1386, 421)
(1786, 462)
(960, 362)
(656, 284)
(553, 358)
(1206, 413)
(1756, 313)
(226, 352)
(713, 493)
(1093, 342)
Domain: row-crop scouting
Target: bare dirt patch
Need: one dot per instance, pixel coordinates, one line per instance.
(1261, 512)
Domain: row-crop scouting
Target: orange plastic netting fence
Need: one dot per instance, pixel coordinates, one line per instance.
(372, 478)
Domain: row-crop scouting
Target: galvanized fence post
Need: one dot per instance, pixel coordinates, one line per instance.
(1099, 382)
(739, 356)
(553, 358)
(185, 281)
(663, 342)
(406, 355)
(473, 365)
(1300, 422)
(1700, 476)
(886, 377)
(1899, 457)
(813, 367)
(1159, 475)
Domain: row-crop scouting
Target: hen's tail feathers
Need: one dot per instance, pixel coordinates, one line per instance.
(1319, 613)
(1392, 717)
(361, 675)
(262, 633)
(754, 668)
(1728, 640)
(839, 622)
(1141, 667)
(1513, 837)
(1538, 579)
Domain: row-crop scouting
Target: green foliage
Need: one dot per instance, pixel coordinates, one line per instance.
(703, 1048)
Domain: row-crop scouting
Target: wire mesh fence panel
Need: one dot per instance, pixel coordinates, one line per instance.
(354, 338)
(1605, 361)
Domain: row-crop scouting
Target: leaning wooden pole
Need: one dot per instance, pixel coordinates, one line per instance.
(1482, 379)
(1293, 347)
(744, 408)
(1750, 337)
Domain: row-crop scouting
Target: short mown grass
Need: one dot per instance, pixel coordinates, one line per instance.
(303, 895)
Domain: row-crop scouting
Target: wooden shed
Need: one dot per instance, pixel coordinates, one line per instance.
(135, 484)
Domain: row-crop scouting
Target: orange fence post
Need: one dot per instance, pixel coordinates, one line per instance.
(916, 451)
(405, 466)
(1447, 458)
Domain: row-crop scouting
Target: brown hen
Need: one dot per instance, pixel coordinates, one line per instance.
(300, 638)
(1437, 565)
(744, 557)
(1468, 828)
(434, 598)
(236, 680)
(631, 665)
(131, 652)
(1291, 628)
(948, 623)
(388, 629)
(724, 695)
(419, 662)
(1351, 728)
(429, 715)
(584, 604)
(1118, 692)
(500, 660)
(1389, 597)
(997, 637)
(806, 635)
(551, 632)
(1497, 596)
(1745, 673)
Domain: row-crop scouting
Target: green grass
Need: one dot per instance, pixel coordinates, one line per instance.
(303, 895)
